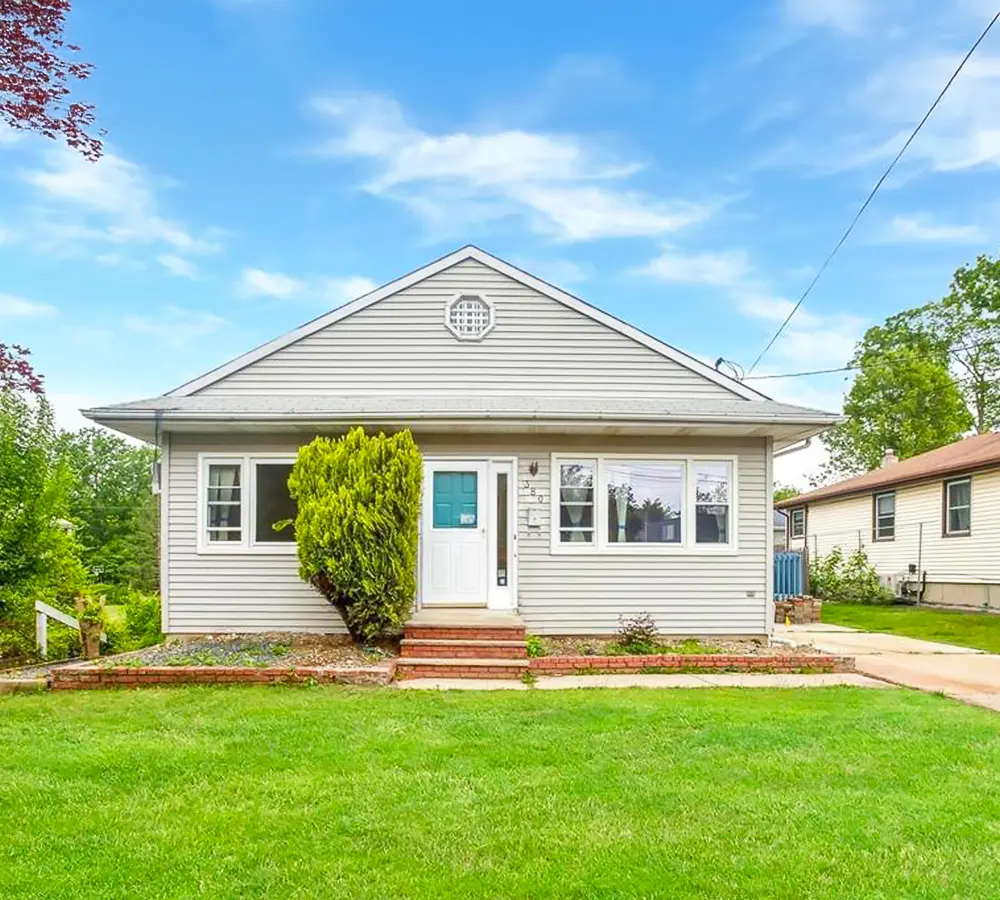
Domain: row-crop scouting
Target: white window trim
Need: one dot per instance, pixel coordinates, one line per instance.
(792, 536)
(876, 535)
(248, 494)
(686, 547)
(556, 512)
(948, 485)
(470, 337)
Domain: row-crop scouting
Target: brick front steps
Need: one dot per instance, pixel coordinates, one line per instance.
(714, 662)
(464, 648)
(463, 644)
(89, 677)
(416, 667)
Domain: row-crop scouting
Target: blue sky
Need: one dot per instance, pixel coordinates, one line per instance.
(684, 166)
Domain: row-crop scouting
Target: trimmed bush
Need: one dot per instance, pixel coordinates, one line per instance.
(358, 506)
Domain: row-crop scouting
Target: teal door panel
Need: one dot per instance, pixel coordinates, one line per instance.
(456, 497)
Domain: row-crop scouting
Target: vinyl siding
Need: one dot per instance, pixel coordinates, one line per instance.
(847, 523)
(557, 594)
(401, 346)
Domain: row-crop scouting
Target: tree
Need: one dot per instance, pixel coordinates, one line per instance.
(904, 398)
(112, 506)
(785, 492)
(35, 74)
(16, 373)
(358, 505)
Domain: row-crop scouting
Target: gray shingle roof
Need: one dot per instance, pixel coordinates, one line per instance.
(274, 406)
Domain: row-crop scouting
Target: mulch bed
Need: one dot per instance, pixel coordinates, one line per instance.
(596, 646)
(259, 651)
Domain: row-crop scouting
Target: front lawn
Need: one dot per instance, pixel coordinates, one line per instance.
(339, 793)
(966, 629)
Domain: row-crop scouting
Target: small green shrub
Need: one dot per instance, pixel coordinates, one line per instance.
(637, 634)
(847, 580)
(358, 505)
(535, 646)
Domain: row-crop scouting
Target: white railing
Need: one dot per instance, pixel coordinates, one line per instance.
(44, 612)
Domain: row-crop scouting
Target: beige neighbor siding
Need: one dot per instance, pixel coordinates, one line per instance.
(401, 346)
(558, 594)
(973, 559)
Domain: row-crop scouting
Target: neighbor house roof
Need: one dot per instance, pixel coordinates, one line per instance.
(981, 451)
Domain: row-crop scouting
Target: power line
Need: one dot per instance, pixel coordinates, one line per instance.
(873, 192)
(954, 350)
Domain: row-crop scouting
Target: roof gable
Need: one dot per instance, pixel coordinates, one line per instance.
(704, 374)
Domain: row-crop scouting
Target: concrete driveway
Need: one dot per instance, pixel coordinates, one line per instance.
(971, 676)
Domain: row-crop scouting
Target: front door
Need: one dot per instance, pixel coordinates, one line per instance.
(455, 543)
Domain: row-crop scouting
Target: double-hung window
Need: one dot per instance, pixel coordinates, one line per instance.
(619, 504)
(958, 507)
(884, 516)
(797, 522)
(243, 498)
(576, 502)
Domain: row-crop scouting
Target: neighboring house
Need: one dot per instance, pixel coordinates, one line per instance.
(780, 531)
(575, 468)
(938, 512)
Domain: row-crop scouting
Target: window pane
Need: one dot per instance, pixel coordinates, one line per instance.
(959, 519)
(798, 522)
(219, 536)
(576, 475)
(501, 529)
(224, 515)
(576, 516)
(959, 493)
(224, 482)
(274, 504)
(712, 524)
(645, 502)
(886, 504)
(576, 537)
(712, 481)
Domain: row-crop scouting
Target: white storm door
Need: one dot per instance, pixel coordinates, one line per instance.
(455, 564)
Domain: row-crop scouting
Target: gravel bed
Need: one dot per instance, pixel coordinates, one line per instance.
(594, 646)
(32, 673)
(258, 650)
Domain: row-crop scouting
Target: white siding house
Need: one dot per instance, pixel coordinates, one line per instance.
(938, 513)
(604, 471)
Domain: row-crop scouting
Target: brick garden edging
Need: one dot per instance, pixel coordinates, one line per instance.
(627, 665)
(78, 678)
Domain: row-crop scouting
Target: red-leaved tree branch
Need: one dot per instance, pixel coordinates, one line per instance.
(35, 72)
(16, 373)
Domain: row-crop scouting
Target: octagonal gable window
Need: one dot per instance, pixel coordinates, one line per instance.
(469, 316)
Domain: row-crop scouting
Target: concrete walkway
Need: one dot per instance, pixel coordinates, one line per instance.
(971, 676)
(566, 682)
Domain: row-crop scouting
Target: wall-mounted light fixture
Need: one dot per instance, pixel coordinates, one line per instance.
(533, 468)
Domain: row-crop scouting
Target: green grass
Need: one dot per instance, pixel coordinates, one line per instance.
(966, 629)
(339, 793)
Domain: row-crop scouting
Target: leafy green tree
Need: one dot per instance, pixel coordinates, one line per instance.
(113, 507)
(358, 505)
(785, 492)
(904, 398)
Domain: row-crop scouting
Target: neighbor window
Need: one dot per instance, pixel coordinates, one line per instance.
(958, 507)
(713, 485)
(884, 509)
(576, 502)
(273, 504)
(224, 503)
(243, 498)
(797, 522)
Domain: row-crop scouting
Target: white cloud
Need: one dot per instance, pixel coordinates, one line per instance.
(66, 406)
(177, 265)
(176, 327)
(921, 229)
(258, 283)
(846, 16)
(566, 188)
(338, 291)
(811, 340)
(20, 307)
(112, 201)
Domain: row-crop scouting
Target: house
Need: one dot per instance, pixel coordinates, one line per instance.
(780, 531)
(575, 468)
(938, 513)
